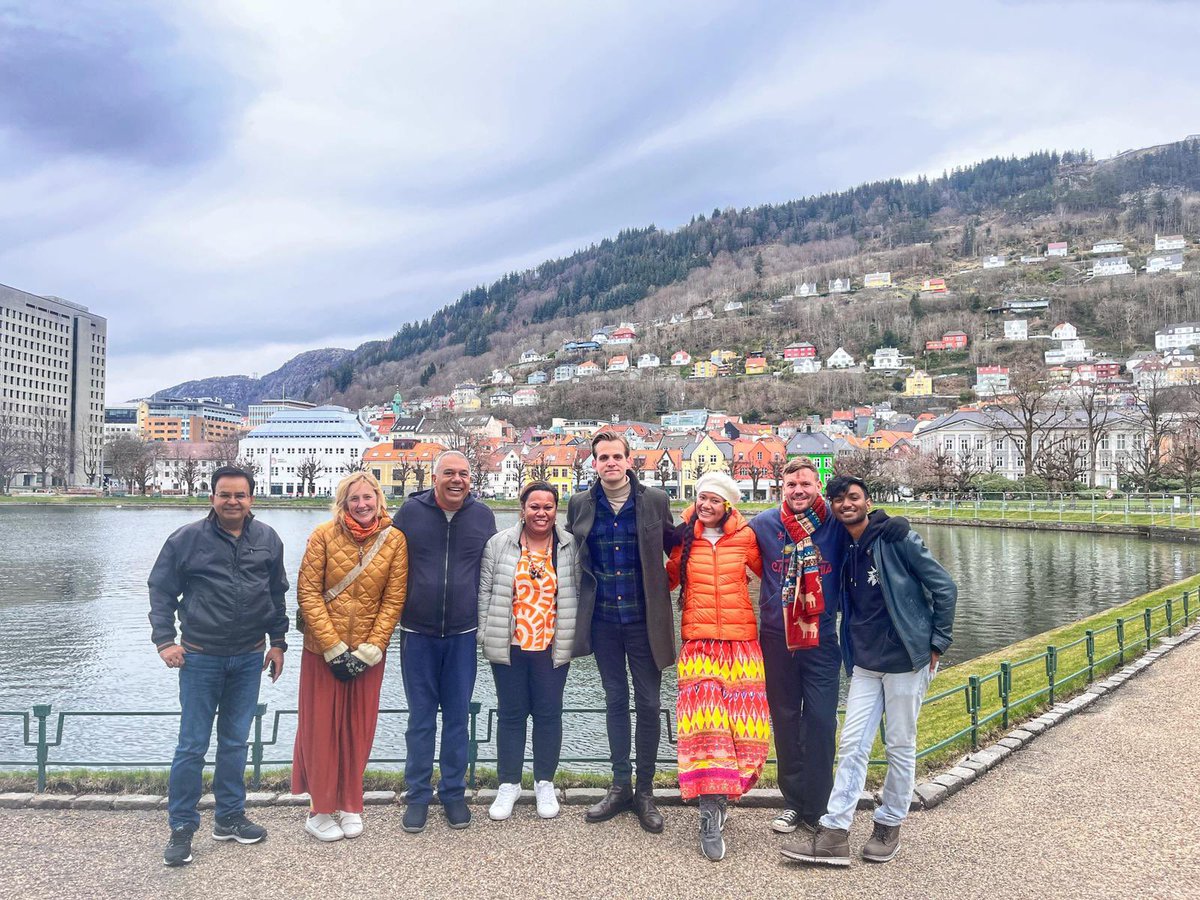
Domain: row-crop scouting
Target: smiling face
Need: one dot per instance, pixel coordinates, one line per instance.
(710, 509)
(611, 462)
(362, 504)
(852, 507)
(452, 481)
(231, 500)
(539, 511)
(800, 489)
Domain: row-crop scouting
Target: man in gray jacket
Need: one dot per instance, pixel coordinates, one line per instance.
(897, 607)
(623, 530)
(224, 578)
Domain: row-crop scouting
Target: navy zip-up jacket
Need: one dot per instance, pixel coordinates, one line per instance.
(443, 564)
(227, 591)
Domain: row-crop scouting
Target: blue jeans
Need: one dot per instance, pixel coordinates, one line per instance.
(529, 686)
(437, 672)
(615, 645)
(873, 695)
(224, 688)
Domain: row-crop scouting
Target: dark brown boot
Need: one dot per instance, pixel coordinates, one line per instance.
(824, 847)
(618, 799)
(884, 843)
(647, 813)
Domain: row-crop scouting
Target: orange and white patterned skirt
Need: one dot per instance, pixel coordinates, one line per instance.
(722, 720)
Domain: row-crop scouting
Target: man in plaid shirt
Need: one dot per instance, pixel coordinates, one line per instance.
(623, 530)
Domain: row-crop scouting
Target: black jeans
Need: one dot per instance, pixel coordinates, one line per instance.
(530, 685)
(615, 645)
(802, 694)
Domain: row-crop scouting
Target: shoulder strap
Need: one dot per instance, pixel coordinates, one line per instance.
(353, 574)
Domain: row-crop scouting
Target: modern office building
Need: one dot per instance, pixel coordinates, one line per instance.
(313, 447)
(52, 370)
(264, 409)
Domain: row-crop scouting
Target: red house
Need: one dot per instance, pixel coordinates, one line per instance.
(801, 350)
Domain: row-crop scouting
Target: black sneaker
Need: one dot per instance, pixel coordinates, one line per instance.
(179, 848)
(415, 815)
(458, 814)
(239, 829)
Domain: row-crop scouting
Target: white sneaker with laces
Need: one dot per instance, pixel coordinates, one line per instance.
(351, 823)
(502, 806)
(547, 802)
(324, 827)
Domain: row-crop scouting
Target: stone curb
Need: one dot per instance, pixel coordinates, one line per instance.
(928, 794)
(934, 791)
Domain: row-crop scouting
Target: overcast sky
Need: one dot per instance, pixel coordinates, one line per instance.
(231, 183)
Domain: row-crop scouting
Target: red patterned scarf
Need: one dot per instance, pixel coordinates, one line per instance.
(803, 600)
(361, 534)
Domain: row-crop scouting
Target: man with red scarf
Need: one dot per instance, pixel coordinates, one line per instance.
(797, 630)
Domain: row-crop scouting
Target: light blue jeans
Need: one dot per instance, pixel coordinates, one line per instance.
(872, 695)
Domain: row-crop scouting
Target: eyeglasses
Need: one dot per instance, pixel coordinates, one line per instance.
(241, 495)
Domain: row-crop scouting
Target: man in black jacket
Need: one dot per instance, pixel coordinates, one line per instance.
(623, 529)
(446, 531)
(224, 578)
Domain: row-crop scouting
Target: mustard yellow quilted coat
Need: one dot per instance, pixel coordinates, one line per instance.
(365, 612)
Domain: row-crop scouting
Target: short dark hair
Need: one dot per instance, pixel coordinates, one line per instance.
(231, 472)
(539, 486)
(840, 484)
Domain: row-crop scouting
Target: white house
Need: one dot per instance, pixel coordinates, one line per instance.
(1114, 265)
(330, 440)
(677, 319)
(500, 398)
(538, 377)
(806, 289)
(877, 280)
(1183, 334)
(587, 369)
(565, 372)
(525, 396)
(500, 376)
(839, 286)
(839, 359)
(807, 365)
(681, 358)
(1169, 242)
(1108, 247)
(1164, 262)
(991, 380)
(995, 262)
(1070, 352)
(1056, 248)
(1029, 260)
(619, 364)
(702, 313)
(888, 359)
(1016, 329)
(648, 361)
(531, 356)
(1064, 331)
(734, 306)
(600, 337)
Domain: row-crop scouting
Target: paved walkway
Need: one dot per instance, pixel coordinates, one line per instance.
(1104, 805)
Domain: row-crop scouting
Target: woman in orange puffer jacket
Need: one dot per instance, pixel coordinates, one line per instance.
(721, 714)
(351, 590)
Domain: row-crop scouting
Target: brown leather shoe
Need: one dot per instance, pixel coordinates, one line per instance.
(618, 799)
(647, 813)
(823, 847)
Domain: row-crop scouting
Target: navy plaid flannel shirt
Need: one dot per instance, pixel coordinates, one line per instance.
(616, 563)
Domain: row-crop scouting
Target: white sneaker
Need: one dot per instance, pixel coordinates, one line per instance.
(547, 803)
(351, 824)
(502, 806)
(324, 827)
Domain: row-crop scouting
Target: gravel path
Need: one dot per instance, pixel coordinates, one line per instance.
(1103, 805)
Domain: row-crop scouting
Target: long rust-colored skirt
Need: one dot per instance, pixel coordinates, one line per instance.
(334, 734)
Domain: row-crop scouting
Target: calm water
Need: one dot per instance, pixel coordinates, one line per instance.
(73, 617)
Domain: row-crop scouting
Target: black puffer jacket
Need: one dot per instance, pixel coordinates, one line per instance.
(227, 591)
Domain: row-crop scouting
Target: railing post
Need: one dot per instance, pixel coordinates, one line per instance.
(1091, 653)
(1005, 688)
(1170, 618)
(973, 709)
(1185, 608)
(256, 749)
(41, 712)
(1148, 618)
(1051, 668)
(473, 742)
(1121, 638)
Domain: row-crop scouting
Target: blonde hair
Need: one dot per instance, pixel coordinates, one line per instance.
(801, 462)
(341, 497)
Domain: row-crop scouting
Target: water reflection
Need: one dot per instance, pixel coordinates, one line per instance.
(73, 605)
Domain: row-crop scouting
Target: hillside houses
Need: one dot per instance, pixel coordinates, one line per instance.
(839, 286)
(1166, 242)
(1107, 246)
(681, 358)
(1164, 262)
(995, 262)
(951, 340)
(877, 280)
(1182, 334)
(1114, 265)
(839, 359)
(1056, 248)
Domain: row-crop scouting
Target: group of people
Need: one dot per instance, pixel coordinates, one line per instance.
(441, 579)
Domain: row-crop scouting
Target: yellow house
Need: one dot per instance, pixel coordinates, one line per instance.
(756, 365)
(705, 455)
(722, 357)
(918, 384)
(557, 464)
(704, 368)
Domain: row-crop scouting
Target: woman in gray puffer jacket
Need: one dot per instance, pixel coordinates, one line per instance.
(528, 601)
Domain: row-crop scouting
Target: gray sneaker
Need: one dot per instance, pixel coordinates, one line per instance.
(822, 847)
(884, 843)
(712, 843)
